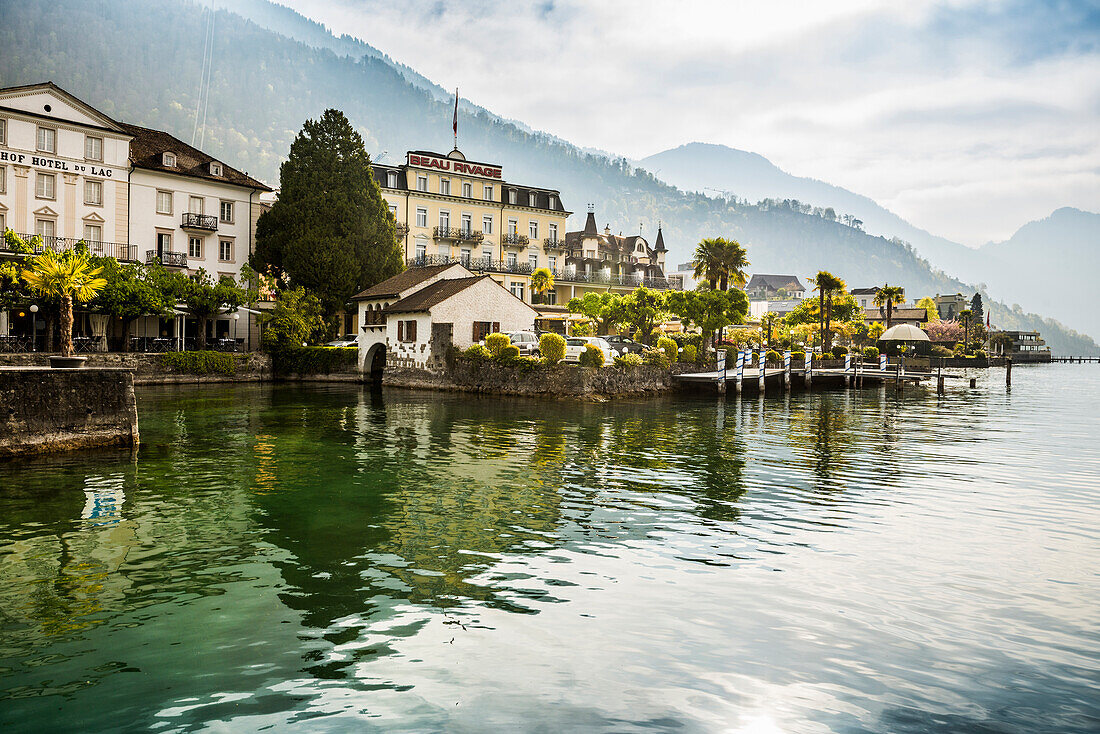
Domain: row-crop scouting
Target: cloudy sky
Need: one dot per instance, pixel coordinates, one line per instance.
(967, 117)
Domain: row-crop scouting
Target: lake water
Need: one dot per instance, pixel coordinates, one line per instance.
(347, 561)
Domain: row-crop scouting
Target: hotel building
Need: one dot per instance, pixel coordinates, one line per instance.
(451, 210)
(69, 173)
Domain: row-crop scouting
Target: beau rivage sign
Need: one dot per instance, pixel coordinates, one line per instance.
(459, 167)
(56, 164)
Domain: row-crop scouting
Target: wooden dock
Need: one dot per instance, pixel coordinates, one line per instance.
(775, 379)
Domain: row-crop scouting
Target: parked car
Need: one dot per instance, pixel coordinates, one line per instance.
(575, 345)
(624, 345)
(527, 342)
(347, 340)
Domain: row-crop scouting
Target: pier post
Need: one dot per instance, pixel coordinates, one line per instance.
(939, 380)
(787, 370)
(882, 364)
(763, 368)
(740, 368)
(720, 354)
(807, 375)
(973, 382)
(1008, 370)
(848, 370)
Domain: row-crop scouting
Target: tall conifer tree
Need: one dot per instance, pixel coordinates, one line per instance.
(330, 230)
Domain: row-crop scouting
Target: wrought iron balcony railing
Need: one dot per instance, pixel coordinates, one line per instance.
(167, 259)
(554, 244)
(568, 275)
(117, 250)
(205, 222)
(518, 240)
(458, 234)
(401, 229)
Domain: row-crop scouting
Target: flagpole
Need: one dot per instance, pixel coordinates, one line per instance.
(455, 124)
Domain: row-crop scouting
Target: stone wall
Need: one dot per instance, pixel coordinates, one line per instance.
(44, 410)
(148, 369)
(558, 381)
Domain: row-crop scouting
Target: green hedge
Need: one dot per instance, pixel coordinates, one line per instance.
(203, 363)
(314, 360)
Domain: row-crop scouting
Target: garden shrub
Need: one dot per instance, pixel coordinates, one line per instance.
(582, 329)
(871, 352)
(826, 355)
(477, 353)
(313, 360)
(799, 356)
(629, 360)
(552, 347)
(202, 363)
(839, 351)
(773, 356)
(495, 342)
(980, 354)
(690, 353)
(510, 351)
(655, 357)
(938, 350)
(592, 356)
(669, 347)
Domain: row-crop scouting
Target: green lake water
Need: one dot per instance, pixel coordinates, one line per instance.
(330, 559)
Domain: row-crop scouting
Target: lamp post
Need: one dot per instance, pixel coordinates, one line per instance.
(34, 327)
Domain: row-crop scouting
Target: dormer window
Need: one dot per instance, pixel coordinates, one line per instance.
(169, 160)
(215, 168)
(511, 196)
(531, 199)
(391, 179)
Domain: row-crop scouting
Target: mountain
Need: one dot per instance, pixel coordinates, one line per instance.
(141, 61)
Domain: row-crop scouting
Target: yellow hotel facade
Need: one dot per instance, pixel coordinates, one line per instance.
(451, 210)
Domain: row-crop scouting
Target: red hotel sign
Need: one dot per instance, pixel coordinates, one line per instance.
(459, 167)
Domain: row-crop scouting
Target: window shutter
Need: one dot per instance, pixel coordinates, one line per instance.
(412, 331)
(496, 327)
(475, 337)
(400, 331)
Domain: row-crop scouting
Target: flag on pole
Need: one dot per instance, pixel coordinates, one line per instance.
(455, 123)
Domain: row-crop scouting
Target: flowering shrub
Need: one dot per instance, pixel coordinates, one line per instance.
(495, 342)
(629, 360)
(552, 347)
(592, 356)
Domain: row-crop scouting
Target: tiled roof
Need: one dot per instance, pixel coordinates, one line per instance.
(147, 151)
(898, 314)
(430, 295)
(864, 291)
(774, 282)
(401, 282)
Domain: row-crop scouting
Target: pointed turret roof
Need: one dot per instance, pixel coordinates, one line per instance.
(590, 226)
(659, 245)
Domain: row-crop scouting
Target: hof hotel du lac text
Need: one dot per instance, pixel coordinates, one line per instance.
(70, 173)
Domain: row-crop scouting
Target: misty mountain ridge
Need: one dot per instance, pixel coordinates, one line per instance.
(264, 84)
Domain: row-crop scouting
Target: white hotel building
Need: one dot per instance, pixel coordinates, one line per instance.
(68, 173)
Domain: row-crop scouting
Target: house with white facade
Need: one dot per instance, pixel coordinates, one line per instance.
(70, 174)
(415, 316)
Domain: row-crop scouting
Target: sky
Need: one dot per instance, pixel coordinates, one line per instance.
(969, 118)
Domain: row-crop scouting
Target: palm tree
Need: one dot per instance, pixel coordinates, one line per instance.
(827, 285)
(965, 315)
(887, 296)
(721, 261)
(542, 282)
(66, 276)
(768, 321)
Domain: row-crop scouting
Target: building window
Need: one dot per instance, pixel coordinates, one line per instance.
(488, 193)
(517, 289)
(3, 132)
(406, 331)
(45, 185)
(194, 247)
(467, 223)
(550, 298)
(532, 199)
(421, 217)
(215, 168)
(169, 160)
(3, 180)
(487, 255)
(3, 223)
(465, 256)
(164, 202)
(553, 261)
(92, 233)
(47, 140)
(393, 211)
(421, 249)
(445, 186)
(444, 220)
(421, 183)
(533, 230)
(45, 228)
(487, 225)
(391, 179)
(511, 259)
(513, 226)
(164, 242)
(533, 260)
(553, 203)
(93, 148)
(226, 212)
(93, 193)
(225, 251)
(467, 191)
(196, 204)
(511, 196)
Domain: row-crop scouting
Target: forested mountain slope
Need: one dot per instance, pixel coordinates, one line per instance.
(141, 61)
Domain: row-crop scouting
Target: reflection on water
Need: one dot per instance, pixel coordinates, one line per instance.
(341, 559)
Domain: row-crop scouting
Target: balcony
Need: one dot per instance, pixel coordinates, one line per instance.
(167, 259)
(401, 229)
(515, 240)
(457, 234)
(200, 222)
(38, 244)
(488, 265)
(549, 244)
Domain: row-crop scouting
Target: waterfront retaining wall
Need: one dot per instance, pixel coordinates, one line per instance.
(561, 380)
(44, 410)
